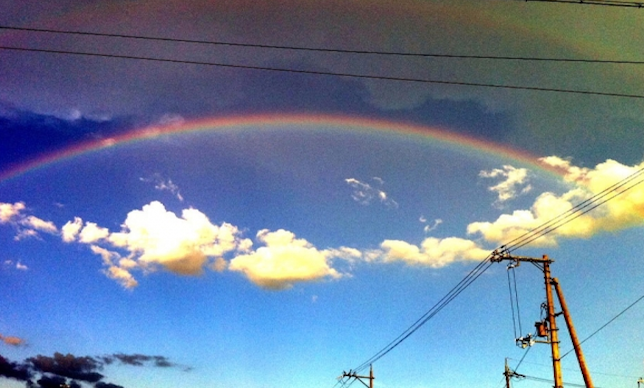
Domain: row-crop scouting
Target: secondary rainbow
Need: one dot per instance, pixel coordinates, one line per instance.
(303, 122)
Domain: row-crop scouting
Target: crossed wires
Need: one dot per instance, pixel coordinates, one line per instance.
(578, 210)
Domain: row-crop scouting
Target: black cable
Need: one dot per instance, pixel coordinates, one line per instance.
(604, 325)
(522, 358)
(586, 209)
(547, 225)
(575, 212)
(514, 321)
(322, 49)
(542, 380)
(478, 270)
(611, 3)
(450, 296)
(575, 208)
(595, 372)
(349, 75)
(516, 299)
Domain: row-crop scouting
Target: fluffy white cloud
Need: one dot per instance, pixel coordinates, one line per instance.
(433, 252)
(513, 182)
(155, 236)
(9, 211)
(92, 233)
(622, 211)
(70, 230)
(284, 260)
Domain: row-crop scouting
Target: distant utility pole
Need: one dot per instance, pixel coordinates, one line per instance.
(360, 378)
(510, 373)
(640, 381)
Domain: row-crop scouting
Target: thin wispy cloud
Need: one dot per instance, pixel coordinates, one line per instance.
(26, 225)
(17, 265)
(512, 182)
(163, 184)
(365, 194)
(429, 228)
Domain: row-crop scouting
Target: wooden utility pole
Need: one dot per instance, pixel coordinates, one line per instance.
(552, 330)
(507, 374)
(573, 335)
(360, 378)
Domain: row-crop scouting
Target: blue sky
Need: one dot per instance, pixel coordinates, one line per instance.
(282, 252)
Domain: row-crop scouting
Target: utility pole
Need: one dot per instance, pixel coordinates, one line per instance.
(551, 332)
(352, 374)
(510, 373)
(640, 381)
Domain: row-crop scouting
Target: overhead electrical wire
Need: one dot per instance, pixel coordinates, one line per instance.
(450, 296)
(566, 217)
(595, 372)
(610, 3)
(577, 211)
(328, 73)
(543, 380)
(323, 49)
(604, 325)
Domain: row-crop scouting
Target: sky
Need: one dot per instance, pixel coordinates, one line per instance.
(173, 224)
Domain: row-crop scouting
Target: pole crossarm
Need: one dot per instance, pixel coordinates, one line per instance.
(354, 375)
(503, 254)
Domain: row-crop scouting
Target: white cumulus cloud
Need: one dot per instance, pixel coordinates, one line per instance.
(622, 211)
(284, 260)
(155, 236)
(433, 252)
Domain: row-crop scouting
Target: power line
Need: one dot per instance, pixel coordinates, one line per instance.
(576, 211)
(595, 372)
(610, 3)
(480, 268)
(325, 50)
(564, 218)
(604, 325)
(328, 73)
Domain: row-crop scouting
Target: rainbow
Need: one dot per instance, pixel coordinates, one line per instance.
(303, 122)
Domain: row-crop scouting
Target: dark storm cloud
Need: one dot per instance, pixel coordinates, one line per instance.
(78, 368)
(138, 360)
(69, 369)
(14, 370)
(25, 135)
(51, 381)
(107, 385)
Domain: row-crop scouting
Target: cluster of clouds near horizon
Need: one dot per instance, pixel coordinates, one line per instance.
(153, 238)
(68, 370)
